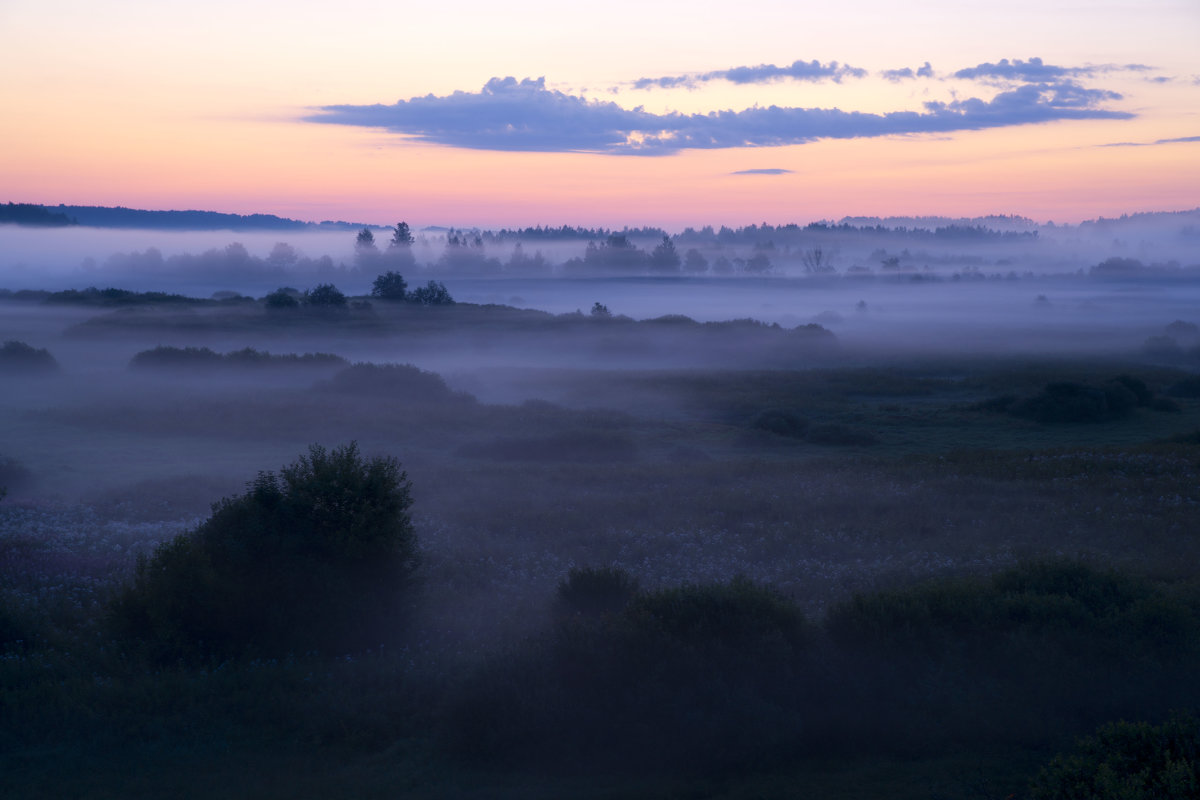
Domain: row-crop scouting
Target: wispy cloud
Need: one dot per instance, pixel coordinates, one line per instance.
(907, 73)
(511, 115)
(766, 171)
(763, 73)
(1037, 71)
(1179, 140)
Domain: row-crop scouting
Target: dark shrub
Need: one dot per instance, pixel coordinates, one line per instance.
(433, 293)
(402, 383)
(1066, 402)
(325, 295)
(1135, 385)
(314, 558)
(592, 592)
(390, 286)
(165, 356)
(1031, 654)
(738, 614)
(701, 678)
(780, 421)
(19, 357)
(282, 298)
(1128, 761)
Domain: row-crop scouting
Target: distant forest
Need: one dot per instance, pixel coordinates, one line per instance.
(120, 217)
(37, 216)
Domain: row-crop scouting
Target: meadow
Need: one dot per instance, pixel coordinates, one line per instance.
(651, 558)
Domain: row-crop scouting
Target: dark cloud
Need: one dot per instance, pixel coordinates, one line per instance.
(524, 115)
(907, 73)
(1037, 71)
(767, 171)
(763, 73)
(1179, 140)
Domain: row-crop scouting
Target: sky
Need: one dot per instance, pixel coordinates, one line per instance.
(623, 113)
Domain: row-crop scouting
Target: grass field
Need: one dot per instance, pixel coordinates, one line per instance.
(878, 504)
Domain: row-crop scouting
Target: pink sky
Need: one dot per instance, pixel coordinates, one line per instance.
(147, 105)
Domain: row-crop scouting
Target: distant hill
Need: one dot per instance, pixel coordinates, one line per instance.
(29, 214)
(120, 217)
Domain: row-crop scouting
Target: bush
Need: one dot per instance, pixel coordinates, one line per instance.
(1128, 761)
(433, 293)
(314, 558)
(282, 298)
(19, 357)
(592, 592)
(325, 295)
(1032, 654)
(401, 383)
(1067, 402)
(390, 286)
(700, 678)
(166, 357)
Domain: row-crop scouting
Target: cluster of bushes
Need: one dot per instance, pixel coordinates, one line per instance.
(314, 558)
(19, 357)
(701, 679)
(1073, 402)
(92, 296)
(165, 356)
(732, 676)
(322, 296)
(392, 286)
(787, 423)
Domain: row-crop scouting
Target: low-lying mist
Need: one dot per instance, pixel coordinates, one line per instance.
(767, 517)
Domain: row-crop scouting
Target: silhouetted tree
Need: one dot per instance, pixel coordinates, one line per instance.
(401, 236)
(282, 255)
(365, 240)
(601, 311)
(694, 261)
(758, 264)
(433, 293)
(325, 295)
(366, 254)
(815, 260)
(283, 297)
(390, 286)
(664, 258)
(315, 556)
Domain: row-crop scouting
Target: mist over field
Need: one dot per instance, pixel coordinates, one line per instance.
(696, 509)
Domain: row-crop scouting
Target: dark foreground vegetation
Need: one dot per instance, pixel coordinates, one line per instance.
(790, 576)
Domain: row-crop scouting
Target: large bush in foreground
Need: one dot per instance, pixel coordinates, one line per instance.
(315, 557)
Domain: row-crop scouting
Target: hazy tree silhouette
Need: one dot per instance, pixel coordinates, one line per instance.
(664, 258)
(390, 286)
(325, 295)
(401, 236)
